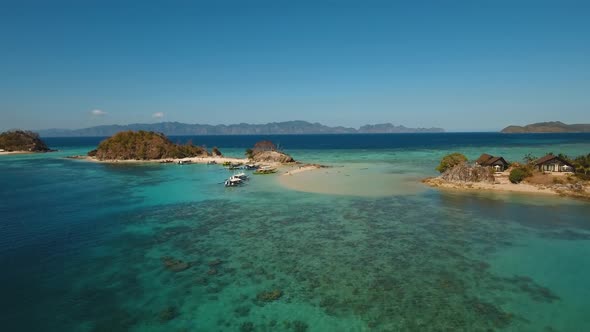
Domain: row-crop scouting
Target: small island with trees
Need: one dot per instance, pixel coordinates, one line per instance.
(152, 147)
(551, 174)
(144, 145)
(21, 141)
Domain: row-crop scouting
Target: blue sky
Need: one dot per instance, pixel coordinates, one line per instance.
(460, 65)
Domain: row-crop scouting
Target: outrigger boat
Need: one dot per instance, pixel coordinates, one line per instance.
(236, 180)
(265, 170)
(233, 182)
(241, 176)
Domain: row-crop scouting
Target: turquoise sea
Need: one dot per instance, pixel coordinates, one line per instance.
(97, 247)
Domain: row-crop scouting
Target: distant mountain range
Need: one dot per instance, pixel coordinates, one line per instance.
(274, 128)
(548, 127)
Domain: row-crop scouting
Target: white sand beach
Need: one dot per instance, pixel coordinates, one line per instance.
(195, 160)
(5, 153)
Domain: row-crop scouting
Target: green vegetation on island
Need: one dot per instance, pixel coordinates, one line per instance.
(144, 145)
(519, 173)
(554, 174)
(548, 127)
(451, 160)
(22, 140)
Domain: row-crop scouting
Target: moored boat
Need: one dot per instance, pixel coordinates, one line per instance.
(265, 170)
(233, 182)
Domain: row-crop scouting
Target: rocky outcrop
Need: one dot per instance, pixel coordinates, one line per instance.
(22, 140)
(468, 173)
(272, 156)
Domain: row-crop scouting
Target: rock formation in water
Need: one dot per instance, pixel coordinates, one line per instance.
(143, 145)
(272, 156)
(267, 151)
(22, 140)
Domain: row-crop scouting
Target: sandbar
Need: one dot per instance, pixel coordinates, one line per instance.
(349, 180)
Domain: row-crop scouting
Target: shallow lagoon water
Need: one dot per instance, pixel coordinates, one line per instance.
(83, 248)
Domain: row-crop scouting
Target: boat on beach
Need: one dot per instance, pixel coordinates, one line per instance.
(265, 170)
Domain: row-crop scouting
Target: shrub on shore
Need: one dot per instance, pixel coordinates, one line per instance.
(518, 174)
(451, 160)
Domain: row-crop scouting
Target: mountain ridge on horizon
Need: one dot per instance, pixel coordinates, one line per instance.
(296, 127)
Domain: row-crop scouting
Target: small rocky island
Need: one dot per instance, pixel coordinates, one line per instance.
(144, 145)
(22, 141)
(551, 174)
(147, 146)
(547, 127)
(267, 151)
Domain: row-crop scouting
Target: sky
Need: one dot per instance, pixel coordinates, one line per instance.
(459, 65)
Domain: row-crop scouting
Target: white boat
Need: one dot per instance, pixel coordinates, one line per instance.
(233, 182)
(241, 176)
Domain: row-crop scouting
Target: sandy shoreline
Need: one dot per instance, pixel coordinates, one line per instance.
(193, 160)
(302, 168)
(507, 187)
(484, 186)
(3, 153)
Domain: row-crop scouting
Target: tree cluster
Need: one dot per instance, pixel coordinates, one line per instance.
(581, 164)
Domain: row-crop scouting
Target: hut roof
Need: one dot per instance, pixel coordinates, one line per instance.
(488, 160)
(549, 158)
(483, 158)
(494, 160)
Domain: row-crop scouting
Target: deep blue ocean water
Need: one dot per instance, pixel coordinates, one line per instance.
(88, 247)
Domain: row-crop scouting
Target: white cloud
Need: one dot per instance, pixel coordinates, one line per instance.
(98, 112)
(158, 115)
